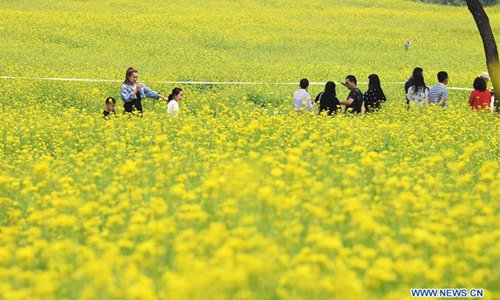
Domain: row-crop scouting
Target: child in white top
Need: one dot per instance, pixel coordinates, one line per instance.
(173, 102)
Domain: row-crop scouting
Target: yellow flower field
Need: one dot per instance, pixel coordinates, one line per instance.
(241, 197)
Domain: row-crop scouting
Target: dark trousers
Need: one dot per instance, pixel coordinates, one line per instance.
(129, 106)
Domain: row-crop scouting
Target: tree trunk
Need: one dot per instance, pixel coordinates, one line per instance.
(490, 46)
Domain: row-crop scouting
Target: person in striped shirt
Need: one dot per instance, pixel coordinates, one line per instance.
(438, 94)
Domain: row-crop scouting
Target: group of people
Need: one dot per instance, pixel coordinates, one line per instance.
(132, 93)
(327, 101)
(417, 94)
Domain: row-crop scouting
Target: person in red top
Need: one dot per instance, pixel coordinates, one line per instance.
(480, 98)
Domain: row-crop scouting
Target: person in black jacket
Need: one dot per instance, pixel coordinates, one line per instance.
(328, 100)
(374, 95)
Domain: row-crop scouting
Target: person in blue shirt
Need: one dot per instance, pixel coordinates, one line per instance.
(132, 92)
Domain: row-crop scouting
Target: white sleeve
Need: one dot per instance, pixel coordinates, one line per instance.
(409, 94)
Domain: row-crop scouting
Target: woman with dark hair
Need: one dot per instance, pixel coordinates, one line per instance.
(328, 100)
(418, 93)
(480, 97)
(410, 81)
(173, 102)
(132, 92)
(374, 95)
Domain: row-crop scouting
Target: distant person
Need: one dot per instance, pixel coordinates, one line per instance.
(301, 98)
(110, 107)
(173, 102)
(132, 92)
(327, 100)
(418, 93)
(438, 94)
(407, 45)
(410, 81)
(486, 77)
(480, 98)
(374, 95)
(354, 102)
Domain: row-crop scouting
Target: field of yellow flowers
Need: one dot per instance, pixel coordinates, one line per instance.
(241, 197)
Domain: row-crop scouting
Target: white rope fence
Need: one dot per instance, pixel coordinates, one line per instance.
(192, 82)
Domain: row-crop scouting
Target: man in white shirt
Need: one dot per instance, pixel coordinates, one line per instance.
(301, 98)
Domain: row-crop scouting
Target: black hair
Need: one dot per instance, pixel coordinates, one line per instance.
(480, 84)
(176, 91)
(330, 89)
(304, 83)
(417, 70)
(110, 100)
(419, 83)
(442, 76)
(352, 78)
(374, 82)
(375, 86)
(328, 100)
